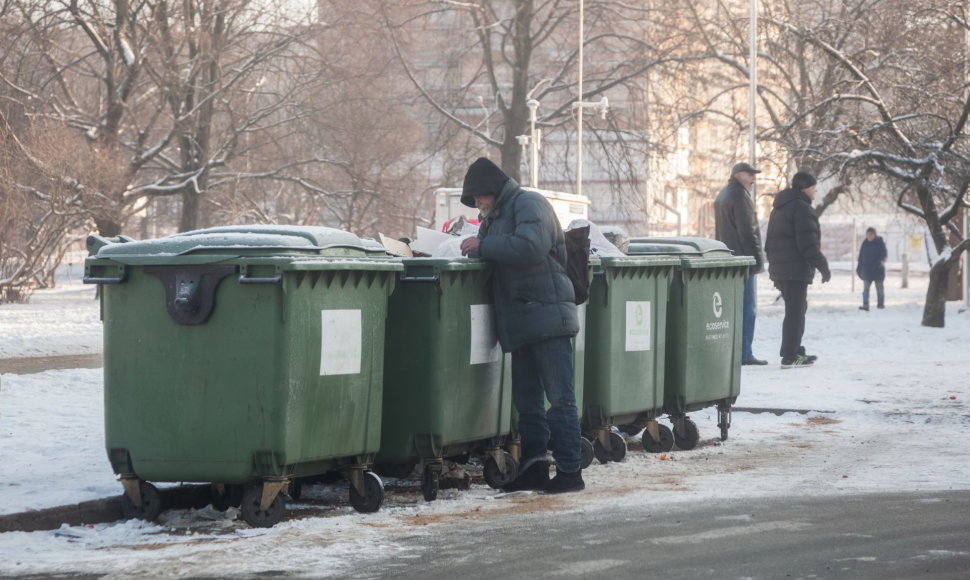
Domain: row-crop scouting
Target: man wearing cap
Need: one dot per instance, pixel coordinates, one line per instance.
(535, 317)
(736, 225)
(793, 244)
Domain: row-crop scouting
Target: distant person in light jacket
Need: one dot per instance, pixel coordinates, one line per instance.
(872, 268)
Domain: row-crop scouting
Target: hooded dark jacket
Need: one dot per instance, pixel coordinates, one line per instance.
(736, 223)
(871, 256)
(533, 297)
(793, 240)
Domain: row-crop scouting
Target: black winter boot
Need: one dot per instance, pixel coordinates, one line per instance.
(535, 477)
(566, 482)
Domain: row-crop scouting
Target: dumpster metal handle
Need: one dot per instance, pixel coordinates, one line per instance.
(244, 279)
(406, 278)
(119, 279)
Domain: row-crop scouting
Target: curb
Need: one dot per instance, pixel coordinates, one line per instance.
(99, 510)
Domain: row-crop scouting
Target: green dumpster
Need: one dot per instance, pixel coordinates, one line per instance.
(444, 396)
(243, 357)
(703, 330)
(626, 317)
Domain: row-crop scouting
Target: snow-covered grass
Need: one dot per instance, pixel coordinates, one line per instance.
(885, 409)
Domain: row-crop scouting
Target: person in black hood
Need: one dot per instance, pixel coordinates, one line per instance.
(535, 319)
(792, 245)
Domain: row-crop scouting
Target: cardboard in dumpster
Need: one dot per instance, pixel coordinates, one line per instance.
(396, 247)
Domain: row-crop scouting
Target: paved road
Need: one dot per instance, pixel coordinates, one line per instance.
(912, 536)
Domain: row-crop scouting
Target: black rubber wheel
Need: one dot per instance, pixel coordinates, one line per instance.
(373, 496)
(430, 482)
(151, 503)
(494, 476)
(616, 452)
(587, 452)
(724, 420)
(617, 447)
(602, 454)
(231, 497)
(665, 444)
(688, 439)
(257, 518)
(296, 489)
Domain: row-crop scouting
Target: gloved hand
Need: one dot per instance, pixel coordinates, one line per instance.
(826, 273)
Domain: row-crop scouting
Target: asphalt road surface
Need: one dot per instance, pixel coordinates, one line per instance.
(918, 536)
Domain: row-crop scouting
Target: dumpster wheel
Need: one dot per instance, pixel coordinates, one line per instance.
(724, 420)
(587, 453)
(261, 518)
(373, 495)
(686, 434)
(616, 452)
(493, 474)
(431, 481)
(150, 503)
(665, 444)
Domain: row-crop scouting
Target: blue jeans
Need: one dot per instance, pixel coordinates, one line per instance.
(544, 370)
(748, 313)
(880, 293)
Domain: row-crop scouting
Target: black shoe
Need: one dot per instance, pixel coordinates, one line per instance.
(881, 306)
(566, 482)
(754, 361)
(808, 357)
(866, 308)
(535, 477)
(799, 362)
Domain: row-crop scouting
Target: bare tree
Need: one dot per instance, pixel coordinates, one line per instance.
(870, 94)
(478, 64)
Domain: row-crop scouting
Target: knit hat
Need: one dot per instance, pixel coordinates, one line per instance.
(743, 168)
(802, 180)
(482, 178)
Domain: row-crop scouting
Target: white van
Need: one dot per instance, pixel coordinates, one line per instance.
(568, 206)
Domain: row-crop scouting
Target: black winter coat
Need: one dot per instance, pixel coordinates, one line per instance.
(533, 297)
(736, 223)
(871, 257)
(793, 240)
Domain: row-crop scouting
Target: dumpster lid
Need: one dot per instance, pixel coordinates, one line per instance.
(232, 241)
(638, 261)
(684, 245)
(695, 252)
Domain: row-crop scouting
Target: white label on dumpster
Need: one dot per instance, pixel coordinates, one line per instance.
(484, 342)
(341, 342)
(581, 337)
(637, 326)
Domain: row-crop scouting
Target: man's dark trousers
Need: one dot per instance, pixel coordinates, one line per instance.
(795, 293)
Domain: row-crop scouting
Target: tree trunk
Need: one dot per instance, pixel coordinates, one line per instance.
(934, 311)
(190, 210)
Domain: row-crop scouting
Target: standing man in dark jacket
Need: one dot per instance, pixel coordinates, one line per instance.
(535, 315)
(736, 224)
(793, 246)
(872, 268)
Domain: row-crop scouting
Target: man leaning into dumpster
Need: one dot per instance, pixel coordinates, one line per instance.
(535, 316)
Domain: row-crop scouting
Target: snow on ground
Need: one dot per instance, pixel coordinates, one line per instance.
(885, 409)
